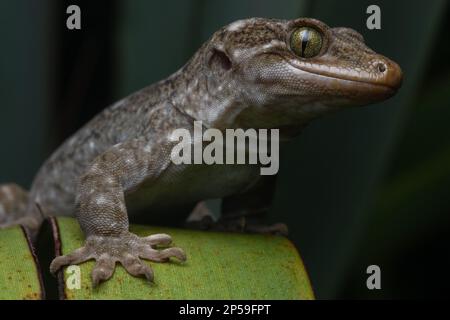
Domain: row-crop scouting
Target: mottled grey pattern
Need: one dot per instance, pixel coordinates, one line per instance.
(245, 76)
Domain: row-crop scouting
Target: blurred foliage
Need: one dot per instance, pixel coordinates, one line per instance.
(409, 230)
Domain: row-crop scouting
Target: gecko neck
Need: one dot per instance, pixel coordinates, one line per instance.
(202, 96)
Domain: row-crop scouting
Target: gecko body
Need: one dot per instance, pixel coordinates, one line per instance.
(254, 73)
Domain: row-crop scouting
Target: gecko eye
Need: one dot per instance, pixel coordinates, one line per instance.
(306, 42)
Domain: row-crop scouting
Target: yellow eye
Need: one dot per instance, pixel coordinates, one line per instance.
(306, 42)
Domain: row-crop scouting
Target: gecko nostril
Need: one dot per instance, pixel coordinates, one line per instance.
(381, 67)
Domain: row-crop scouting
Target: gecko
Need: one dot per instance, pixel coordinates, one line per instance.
(252, 73)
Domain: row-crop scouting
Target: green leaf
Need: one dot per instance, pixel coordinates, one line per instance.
(219, 266)
(20, 276)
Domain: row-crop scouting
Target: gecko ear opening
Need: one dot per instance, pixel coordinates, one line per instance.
(219, 61)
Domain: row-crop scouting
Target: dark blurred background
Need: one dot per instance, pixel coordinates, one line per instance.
(364, 186)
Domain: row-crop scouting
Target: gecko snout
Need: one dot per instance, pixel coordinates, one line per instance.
(389, 74)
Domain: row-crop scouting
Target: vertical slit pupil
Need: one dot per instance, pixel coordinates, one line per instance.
(305, 38)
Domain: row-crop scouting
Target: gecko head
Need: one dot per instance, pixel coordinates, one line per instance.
(289, 71)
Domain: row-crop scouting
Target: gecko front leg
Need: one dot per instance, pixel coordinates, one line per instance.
(102, 214)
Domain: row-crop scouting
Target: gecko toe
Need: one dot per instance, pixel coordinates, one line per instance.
(175, 252)
(162, 255)
(136, 267)
(103, 269)
(158, 239)
(78, 256)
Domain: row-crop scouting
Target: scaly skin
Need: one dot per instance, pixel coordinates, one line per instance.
(245, 76)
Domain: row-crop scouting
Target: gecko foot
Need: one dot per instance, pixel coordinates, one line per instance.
(239, 224)
(127, 249)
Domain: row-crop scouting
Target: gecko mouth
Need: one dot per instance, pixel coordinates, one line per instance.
(360, 84)
(392, 82)
(382, 82)
(357, 91)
